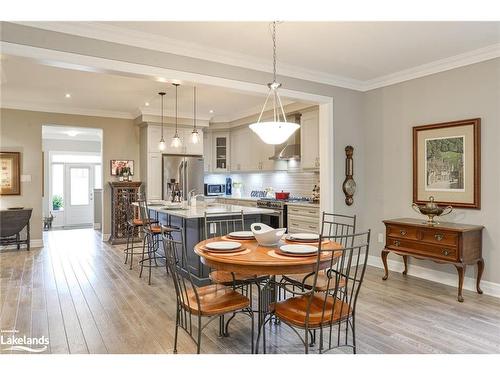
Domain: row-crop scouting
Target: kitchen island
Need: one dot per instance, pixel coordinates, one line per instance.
(192, 221)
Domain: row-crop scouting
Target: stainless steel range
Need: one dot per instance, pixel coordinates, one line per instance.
(281, 209)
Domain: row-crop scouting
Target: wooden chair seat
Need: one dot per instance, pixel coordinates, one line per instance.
(294, 310)
(215, 300)
(307, 279)
(226, 278)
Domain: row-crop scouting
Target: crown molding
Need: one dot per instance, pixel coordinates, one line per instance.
(96, 30)
(457, 61)
(28, 106)
(120, 35)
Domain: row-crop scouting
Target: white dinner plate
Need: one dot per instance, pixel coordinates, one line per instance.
(241, 234)
(223, 245)
(299, 249)
(304, 236)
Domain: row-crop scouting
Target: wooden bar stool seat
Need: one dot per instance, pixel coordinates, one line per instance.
(139, 222)
(215, 300)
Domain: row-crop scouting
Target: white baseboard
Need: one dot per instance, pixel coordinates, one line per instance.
(33, 244)
(488, 287)
(105, 237)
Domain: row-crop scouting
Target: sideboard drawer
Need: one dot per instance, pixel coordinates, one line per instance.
(440, 237)
(419, 248)
(402, 232)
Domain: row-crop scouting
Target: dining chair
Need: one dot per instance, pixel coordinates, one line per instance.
(218, 224)
(326, 308)
(193, 302)
(333, 225)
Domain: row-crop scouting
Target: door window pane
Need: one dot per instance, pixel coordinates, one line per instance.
(79, 186)
(57, 186)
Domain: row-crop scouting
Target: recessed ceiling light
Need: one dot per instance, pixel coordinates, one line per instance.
(72, 133)
(146, 104)
(211, 111)
(67, 96)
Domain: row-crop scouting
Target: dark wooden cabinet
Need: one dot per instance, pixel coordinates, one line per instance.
(457, 244)
(119, 190)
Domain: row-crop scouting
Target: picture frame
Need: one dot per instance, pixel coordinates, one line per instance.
(117, 165)
(447, 163)
(10, 173)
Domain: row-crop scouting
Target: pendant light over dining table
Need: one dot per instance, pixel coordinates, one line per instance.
(162, 145)
(278, 130)
(176, 140)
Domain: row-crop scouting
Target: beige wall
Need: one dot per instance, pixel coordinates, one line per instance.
(22, 131)
(389, 115)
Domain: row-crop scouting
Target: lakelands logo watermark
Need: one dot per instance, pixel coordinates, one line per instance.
(10, 342)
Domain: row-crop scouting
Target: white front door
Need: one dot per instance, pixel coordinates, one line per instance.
(79, 205)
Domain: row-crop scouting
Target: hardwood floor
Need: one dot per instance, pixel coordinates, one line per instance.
(77, 291)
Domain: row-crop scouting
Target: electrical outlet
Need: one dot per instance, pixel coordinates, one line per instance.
(381, 238)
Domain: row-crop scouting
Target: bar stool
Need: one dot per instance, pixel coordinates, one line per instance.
(133, 226)
(151, 242)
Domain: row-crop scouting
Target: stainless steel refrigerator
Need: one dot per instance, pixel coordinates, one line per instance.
(186, 170)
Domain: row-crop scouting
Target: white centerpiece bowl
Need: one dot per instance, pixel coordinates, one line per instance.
(266, 235)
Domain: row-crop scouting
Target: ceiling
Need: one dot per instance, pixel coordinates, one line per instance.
(70, 133)
(355, 52)
(27, 84)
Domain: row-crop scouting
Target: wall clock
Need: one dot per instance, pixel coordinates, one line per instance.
(349, 186)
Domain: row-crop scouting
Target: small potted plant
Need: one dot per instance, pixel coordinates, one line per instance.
(57, 202)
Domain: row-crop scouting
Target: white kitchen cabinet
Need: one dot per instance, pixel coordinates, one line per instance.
(250, 154)
(309, 140)
(241, 151)
(303, 218)
(221, 151)
(207, 152)
(153, 182)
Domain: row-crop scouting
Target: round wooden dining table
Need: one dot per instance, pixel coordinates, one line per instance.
(263, 260)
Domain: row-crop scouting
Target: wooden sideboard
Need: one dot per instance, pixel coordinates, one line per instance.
(457, 244)
(119, 190)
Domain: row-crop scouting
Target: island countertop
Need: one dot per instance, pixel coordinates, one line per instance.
(199, 211)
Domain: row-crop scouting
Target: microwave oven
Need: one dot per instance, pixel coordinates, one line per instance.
(215, 189)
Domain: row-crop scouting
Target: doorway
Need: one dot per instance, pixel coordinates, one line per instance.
(79, 202)
(73, 183)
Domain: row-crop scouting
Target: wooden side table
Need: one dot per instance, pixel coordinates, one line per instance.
(451, 243)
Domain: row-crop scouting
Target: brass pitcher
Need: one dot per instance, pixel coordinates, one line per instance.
(431, 210)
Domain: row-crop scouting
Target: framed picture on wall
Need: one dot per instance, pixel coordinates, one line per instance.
(10, 173)
(118, 165)
(447, 163)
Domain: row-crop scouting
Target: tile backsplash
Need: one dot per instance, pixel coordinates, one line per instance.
(297, 183)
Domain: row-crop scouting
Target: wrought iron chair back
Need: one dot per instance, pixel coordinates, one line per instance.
(339, 226)
(219, 224)
(345, 276)
(144, 214)
(176, 256)
(331, 305)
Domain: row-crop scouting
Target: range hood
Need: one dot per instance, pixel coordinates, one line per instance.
(288, 152)
(291, 149)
